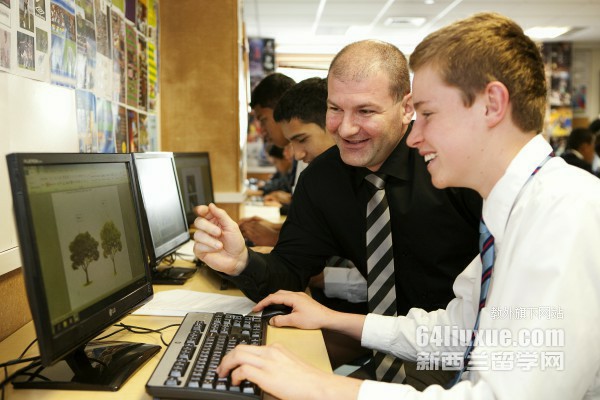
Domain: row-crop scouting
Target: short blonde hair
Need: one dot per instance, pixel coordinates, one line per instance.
(361, 59)
(487, 47)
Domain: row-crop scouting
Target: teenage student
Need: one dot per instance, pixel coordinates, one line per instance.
(581, 148)
(300, 116)
(479, 90)
(433, 232)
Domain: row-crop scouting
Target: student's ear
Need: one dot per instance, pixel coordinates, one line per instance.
(497, 102)
(409, 109)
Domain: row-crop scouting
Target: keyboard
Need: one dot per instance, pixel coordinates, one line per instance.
(187, 370)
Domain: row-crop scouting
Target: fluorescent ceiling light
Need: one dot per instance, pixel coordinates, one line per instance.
(546, 32)
(404, 21)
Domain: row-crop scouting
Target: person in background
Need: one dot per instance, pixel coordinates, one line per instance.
(300, 116)
(479, 89)
(580, 149)
(433, 231)
(264, 98)
(285, 169)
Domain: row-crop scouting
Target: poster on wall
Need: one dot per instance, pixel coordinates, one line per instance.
(5, 13)
(104, 66)
(29, 39)
(86, 44)
(143, 77)
(261, 58)
(119, 76)
(131, 45)
(143, 142)
(106, 126)
(152, 129)
(152, 76)
(5, 49)
(63, 47)
(86, 121)
(121, 139)
(133, 131)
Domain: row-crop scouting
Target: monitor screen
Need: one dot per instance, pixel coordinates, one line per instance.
(165, 220)
(81, 246)
(195, 180)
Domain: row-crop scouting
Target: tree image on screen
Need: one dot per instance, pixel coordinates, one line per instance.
(111, 242)
(84, 250)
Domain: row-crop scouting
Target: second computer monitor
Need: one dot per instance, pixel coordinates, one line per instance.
(195, 180)
(166, 225)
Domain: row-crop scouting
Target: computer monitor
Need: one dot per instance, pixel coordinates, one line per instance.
(83, 264)
(195, 181)
(164, 220)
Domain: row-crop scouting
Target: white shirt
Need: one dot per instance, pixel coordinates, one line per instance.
(547, 246)
(345, 282)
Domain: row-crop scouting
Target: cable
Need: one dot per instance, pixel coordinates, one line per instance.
(140, 330)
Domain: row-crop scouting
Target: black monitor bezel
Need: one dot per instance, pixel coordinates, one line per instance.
(191, 216)
(155, 254)
(54, 347)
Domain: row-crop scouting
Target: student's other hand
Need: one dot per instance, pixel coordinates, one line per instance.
(306, 312)
(219, 242)
(259, 231)
(278, 196)
(281, 373)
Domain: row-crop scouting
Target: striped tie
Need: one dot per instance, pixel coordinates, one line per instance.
(381, 286)
(486, 252)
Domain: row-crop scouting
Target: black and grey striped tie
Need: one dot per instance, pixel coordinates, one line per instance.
(381, 286)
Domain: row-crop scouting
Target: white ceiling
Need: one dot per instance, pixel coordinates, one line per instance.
(309, 32)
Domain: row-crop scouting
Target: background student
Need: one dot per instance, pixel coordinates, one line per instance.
(479, 89)
(580, 149)
(431, 233)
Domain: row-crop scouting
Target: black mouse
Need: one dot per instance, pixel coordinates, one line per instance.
(275, 309)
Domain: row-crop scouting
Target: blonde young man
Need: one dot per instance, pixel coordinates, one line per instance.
(479, 91)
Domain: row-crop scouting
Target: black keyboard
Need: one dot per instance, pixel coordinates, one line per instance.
(187, 370)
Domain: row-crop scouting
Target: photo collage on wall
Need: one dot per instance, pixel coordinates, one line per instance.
(105, 50)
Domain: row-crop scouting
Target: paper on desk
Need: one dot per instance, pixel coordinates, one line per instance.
(270, 213)
(179, 302)
(186, 251)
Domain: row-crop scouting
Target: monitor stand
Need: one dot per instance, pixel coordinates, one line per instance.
(99, 366)
(172, 275)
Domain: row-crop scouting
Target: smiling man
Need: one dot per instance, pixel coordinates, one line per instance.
(433, 231)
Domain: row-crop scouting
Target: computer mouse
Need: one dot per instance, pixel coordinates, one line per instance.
(275, 309)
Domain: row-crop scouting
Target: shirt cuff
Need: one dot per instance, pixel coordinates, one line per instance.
(378, 332)
(344, 283)
(370, 390)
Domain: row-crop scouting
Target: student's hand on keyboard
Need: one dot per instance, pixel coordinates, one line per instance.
(219, 242)
(280, 372)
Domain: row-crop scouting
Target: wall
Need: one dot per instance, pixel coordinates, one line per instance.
(203, 89)
(34, 116)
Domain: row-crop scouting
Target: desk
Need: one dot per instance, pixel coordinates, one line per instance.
(307, 345)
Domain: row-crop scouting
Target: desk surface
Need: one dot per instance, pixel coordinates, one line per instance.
(307, 345)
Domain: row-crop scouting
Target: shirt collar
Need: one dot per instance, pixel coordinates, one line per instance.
(396, 165)
(503, 196)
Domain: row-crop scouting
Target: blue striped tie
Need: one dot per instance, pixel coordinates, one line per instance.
(487, 254)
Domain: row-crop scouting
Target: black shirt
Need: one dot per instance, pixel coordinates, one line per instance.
(435, 232)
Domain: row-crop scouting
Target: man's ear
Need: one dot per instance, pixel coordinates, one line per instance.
(497, 103)
(409, 109)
